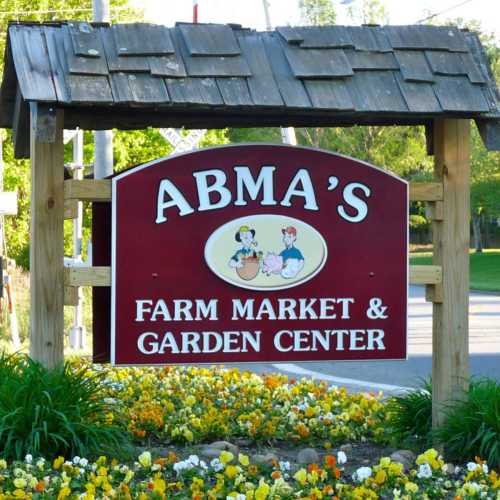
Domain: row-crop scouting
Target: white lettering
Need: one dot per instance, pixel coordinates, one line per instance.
(307, 192)
(218, 186)
(176, 200)
(355, 202)
(375, 337)
(140, 309)
(264, 181)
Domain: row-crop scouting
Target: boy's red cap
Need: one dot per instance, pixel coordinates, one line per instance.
(289, 230)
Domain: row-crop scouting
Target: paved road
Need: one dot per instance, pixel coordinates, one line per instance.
(394, 376)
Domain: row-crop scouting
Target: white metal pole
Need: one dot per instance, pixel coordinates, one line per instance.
(77, 332)
(287, 133)
(103, 139)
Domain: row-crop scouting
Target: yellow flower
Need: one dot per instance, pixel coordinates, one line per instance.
(225, 457)
(188, 435)
(20, 482)
(411, 487)
(19, 494)
(231, 471)
(58, 462)
(301, 476)
(190, 400)
(66, 491)
(380, 477)
(3, 464)
(262, 491)
(243, 459)
(159, 485)
(145, 459)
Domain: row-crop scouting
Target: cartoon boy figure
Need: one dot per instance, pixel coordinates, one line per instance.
(293, 260)
(245, 236)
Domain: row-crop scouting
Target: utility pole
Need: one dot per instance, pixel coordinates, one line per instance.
(103, 139)
(77, 332)
(287, 133)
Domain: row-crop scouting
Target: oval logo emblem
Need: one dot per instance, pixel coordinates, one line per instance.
(266, 252)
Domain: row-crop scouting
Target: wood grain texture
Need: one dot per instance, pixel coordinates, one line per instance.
(87, 276)
(47, 246)
(87, 189)
(425, 275)
(71, 296)
(451, 238)
(70, 209)
(426, 191)
(101, 276)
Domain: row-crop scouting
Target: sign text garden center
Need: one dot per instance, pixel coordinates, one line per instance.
(258, 253)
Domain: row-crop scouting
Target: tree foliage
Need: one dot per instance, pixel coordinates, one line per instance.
(317, 12)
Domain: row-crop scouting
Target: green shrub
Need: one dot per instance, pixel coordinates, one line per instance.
(472, 425)
(410, 417)
(49, 412)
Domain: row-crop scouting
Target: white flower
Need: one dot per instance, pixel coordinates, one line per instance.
(239, 496)
(472, 466)
(76, 460)
(193, 459)
(424, 471)
(362, 473)
(284, 466)
(485, 469)
(155, 467)
(341, 458)
(84, 462)
(40, 463)
(216, 465)
(28, 458)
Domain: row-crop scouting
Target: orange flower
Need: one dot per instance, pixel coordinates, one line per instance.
(330, 461)
(40, 486)
(313, 468)
(276, 474)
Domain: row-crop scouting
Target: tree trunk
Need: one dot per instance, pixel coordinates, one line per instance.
(476, 229)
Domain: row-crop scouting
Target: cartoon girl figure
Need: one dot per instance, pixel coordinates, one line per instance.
(245, 236)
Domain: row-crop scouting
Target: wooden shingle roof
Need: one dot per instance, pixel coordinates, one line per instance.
(211, 75)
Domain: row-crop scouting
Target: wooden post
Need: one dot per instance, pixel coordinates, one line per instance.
(47, 235)
(450, 328)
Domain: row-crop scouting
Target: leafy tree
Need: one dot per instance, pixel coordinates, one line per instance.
(317, 12)
(368, 12)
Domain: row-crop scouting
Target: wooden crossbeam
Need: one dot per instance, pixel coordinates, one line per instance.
(87, 189)
(100, 190)
(87, 276)
(426, 191)
(101, 276)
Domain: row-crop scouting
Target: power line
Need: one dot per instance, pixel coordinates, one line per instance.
(432, 16)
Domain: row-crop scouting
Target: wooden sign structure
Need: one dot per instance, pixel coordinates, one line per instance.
(75, 74)
(291, 250)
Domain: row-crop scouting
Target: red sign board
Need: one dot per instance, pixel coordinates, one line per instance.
(258, 253)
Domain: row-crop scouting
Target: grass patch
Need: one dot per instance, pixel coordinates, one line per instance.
(484, 268)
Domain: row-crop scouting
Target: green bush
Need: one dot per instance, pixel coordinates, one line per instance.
(472, 425)
(410, 417)
(49, 412)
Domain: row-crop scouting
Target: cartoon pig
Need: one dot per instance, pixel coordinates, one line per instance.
(272, 264)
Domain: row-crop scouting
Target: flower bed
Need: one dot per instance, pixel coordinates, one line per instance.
(235, 478)
(192, 405)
